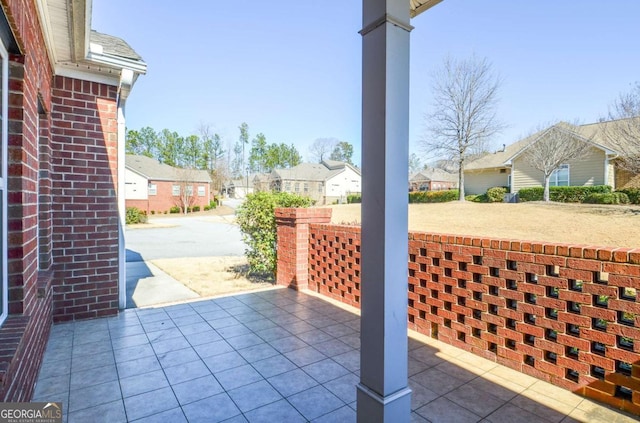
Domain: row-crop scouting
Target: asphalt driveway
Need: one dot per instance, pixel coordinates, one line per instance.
(188, 236)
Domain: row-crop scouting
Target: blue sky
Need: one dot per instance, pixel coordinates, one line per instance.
(292, 69)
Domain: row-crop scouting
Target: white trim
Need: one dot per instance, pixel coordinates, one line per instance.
(4, 282)
(116, 61)
(606, 172)
(84, 73)
(47, 30)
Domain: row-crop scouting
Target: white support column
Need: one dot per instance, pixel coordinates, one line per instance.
(383, 393)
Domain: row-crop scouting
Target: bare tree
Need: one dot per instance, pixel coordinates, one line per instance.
(185, 179)
(322, 148)
(553, 147)
(623, 129)
(465, 96)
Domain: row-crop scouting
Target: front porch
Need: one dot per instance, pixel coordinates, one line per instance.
(276, 355)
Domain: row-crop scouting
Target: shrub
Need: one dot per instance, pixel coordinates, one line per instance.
(195, 208)
(257, 222)
(174, 210)
(433, 196)
(213, 203)
(607, 198)
(562, 194)
(135, 215)
(354, 198)
(207, 208)
(632, 193)
(496, 194)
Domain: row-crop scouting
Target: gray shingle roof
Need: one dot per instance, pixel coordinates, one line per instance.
(591, 132)
(154, 170)
(433, 174)
(114, 46)
(312, 171)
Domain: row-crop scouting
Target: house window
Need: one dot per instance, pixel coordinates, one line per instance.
(320, 187)
(306, 187)
(560, 176)
(4, 306)
(297, 187)
(175, 190)
(287, 186)
(201, 191)
(153, 189)
(190, 190)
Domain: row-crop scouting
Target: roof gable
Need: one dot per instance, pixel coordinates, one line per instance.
(152, 169)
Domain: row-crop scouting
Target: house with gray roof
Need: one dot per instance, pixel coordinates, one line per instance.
(432, 179)
(327, 182)
(156, 187)
(508, 167)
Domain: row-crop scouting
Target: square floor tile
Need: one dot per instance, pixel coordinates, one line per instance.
(443, 410)
(91, 396)
(479, 402)
(237, 377)
(258, 352)
(150, 403)
(219, 363)
(213, 348)
(186, 371)
(344, 414)
(173, 358)
(142, 383)
(292, 382)
(280, 411)
(315, 402)
(109, 412)
(244, 341)
(273, 366)
(139, 366)
(92, 377)
(254, 395)
(325, 370)
(210, 410)
(344, 387)
(197, 389)
(288, 344)
(305, 356)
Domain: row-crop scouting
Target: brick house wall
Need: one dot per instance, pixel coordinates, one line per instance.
(62, 209)
(164, 199)
(566, 314)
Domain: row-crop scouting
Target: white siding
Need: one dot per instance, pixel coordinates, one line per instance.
(345, 182)
(135, 186)
(479, 181)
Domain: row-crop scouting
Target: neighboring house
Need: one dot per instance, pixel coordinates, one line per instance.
(62, 134)
(509, 168)
(327, 182)
(156, 187)
(432, 180)
(240, 187)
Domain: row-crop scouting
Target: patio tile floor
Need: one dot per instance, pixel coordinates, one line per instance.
(275, 355)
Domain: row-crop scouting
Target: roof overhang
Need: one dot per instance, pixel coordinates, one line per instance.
(419, 6)
(66, 27)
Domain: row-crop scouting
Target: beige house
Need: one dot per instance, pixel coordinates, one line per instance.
(509, 168)
(432, 180)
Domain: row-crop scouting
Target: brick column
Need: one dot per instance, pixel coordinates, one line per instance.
(293, 244)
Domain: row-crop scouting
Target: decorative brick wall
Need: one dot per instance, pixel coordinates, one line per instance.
(85, 211)
(566, 314)
(293, 238)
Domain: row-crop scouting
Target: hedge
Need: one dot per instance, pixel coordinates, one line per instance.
(433, 196)
(354, 198)
(496, 194)
(562, 194)
(607, 198)
(632, 193)
(135, 215)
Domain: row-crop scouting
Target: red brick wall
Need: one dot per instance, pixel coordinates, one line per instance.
(164, 199)
(567, 314)
(85, 210)
(24, 334)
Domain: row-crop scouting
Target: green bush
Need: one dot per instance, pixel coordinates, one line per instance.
(213, 203)
(135, 215)
(562, 194)
(175, 209)
(354, 198)
(257, 222)
(433, 196)
(607, 198)
(496, 194)
(632, 193)
(195, 208)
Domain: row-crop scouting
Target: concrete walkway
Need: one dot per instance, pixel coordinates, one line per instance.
(148, 285)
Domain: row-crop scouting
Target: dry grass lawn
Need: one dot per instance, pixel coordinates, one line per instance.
(613, 226)
(210, 276)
